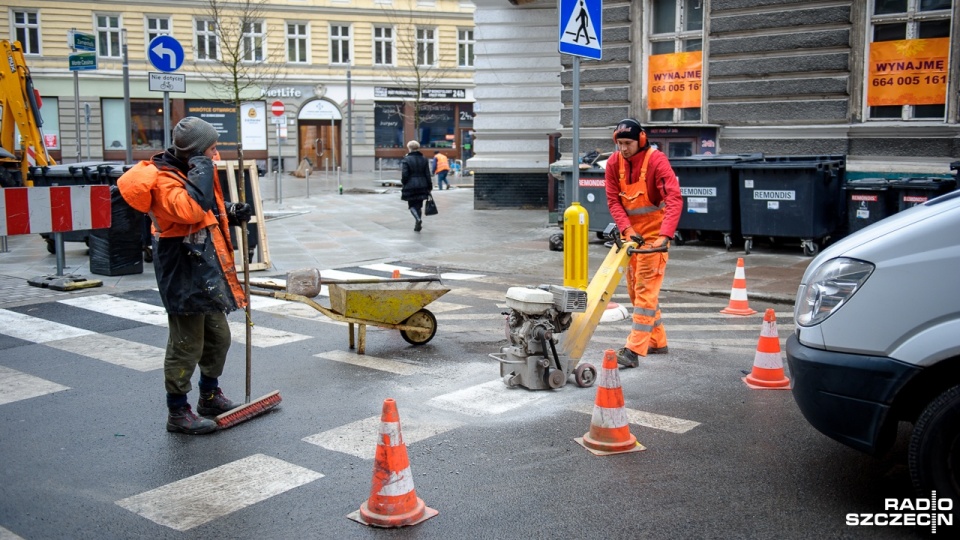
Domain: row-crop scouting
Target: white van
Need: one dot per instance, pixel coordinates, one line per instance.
(877, 340)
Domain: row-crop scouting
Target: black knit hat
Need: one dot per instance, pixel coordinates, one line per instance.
(628, 128)
(193, 135)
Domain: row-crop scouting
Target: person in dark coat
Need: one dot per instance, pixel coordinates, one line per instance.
(415, 177)
(194, 264)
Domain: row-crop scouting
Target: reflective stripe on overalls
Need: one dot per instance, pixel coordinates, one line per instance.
(645, 273)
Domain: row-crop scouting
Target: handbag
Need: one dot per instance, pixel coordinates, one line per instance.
(431, 208)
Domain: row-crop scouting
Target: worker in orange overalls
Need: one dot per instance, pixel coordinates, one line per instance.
(643, 195)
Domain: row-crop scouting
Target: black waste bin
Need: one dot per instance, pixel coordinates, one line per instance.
(783, 197)
(868, 201)
(710, 201)
(918, 190)
(591, 193)
(118, 250)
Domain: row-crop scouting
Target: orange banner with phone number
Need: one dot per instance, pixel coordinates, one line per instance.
(908, 72)
(674, 80)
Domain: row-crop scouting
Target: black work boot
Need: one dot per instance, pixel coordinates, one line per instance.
(182, 420)
(658, 350)
(627, 358)
(214, 403)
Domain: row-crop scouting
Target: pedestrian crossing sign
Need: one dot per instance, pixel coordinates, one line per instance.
(581, 28)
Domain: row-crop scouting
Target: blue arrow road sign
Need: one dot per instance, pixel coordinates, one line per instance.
(581, 28)
(165, 53)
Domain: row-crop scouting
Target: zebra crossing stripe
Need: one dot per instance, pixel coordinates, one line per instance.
(113, 350)
(372, 362)
(202, 498)
(36, 330)
(485, 399)
(647, 419)
(16, 385)
(157, 316)
(6, 534)
(359, 438)
(406, 271)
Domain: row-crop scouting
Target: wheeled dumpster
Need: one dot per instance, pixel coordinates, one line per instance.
(868, 201)
(918, 190)
(711, 205)
(790, 198)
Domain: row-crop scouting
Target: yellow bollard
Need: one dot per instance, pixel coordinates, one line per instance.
(576, 227)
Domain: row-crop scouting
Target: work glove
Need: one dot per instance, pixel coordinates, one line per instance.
(238, 213)
(200, 179)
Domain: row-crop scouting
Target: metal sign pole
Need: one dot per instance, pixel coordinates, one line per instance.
(572, 190)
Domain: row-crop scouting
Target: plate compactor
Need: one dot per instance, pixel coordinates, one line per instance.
(539, 315)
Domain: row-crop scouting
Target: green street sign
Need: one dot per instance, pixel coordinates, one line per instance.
(81, 41)
(83, 61)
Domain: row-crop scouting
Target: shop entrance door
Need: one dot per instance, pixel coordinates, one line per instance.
(320, 143)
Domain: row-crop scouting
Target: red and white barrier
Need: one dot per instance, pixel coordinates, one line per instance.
(54, 209)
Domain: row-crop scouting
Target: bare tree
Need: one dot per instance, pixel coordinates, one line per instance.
(419, 64)
(233, 48)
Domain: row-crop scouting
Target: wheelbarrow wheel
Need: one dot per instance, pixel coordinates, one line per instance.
(424, 319)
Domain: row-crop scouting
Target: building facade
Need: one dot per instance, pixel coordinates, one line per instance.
(877, 81)
(354, 79)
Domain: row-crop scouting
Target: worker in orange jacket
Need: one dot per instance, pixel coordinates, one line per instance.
(440, 166)
(643, 195)
(194, 264)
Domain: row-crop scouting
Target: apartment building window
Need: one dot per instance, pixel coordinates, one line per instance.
(254, 41)
(383, 45)
(339, 44)
(676, 37)
(26, 29)
(157, 26)
(426, 47)
(908, 59)
(297, 43)
(206, 35)
(108, 36)
(465, 45)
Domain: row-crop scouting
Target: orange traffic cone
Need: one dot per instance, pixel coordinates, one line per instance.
(767, 371)
(738, 294)
(393, 500)
(396, 274)
(609, 430)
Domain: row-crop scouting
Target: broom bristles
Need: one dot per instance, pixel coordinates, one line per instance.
(248, 410)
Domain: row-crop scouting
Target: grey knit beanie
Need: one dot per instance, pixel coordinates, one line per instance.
(193, 135)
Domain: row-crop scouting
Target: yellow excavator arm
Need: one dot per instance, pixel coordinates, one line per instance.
(19, 110)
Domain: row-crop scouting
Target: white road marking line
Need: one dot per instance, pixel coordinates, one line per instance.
(486, 399)
(157, 316)
(202, 498)
(16, 385)
(340, 274)
(35, 329)
(266, 302)
(439, 306)
(471, 317)
(8, 535)
(495, 296)
(668, 316)
(113, 350)
(120, 307)
(496, 329)
(647, 419)
(360, 438)
(371, 362)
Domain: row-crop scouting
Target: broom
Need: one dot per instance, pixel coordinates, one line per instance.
(263, 404)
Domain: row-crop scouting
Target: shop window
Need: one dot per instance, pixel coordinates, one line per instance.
(437, 125)
(908, 58)
(146, 124)
(388, 129)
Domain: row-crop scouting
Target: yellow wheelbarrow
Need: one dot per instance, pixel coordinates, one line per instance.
(396, 303)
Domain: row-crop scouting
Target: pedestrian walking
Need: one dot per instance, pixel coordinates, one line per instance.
(194, 266)
(415, 178)
(440, 166)
(643, 195)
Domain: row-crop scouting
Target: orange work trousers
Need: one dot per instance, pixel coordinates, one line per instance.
(644, 279)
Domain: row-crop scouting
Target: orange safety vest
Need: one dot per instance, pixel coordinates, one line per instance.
(443, 164)
(645, 217)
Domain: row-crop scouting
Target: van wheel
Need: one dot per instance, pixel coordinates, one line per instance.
(934, 452)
